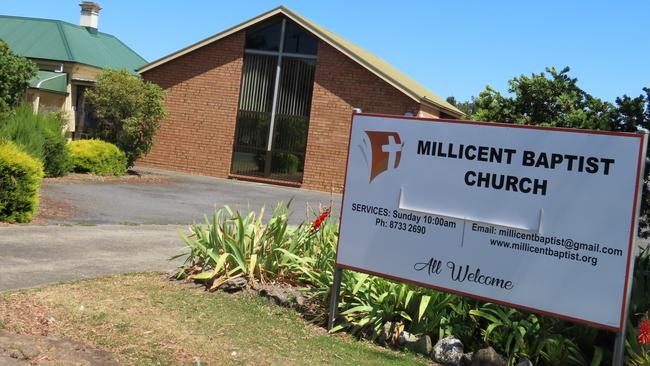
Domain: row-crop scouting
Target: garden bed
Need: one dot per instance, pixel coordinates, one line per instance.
(233, 244)
(131, 177)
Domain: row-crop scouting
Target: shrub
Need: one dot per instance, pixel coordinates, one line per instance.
(638, 346)
(20, 183)
(56, 154)
(127, 110)
(283, 163)
(233, 245)
(15, 72)
(39, 135)
(286, 163)
(97, 157)
(25, 129)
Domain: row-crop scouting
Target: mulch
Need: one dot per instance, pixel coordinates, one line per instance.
(131, 177)
(51, 209)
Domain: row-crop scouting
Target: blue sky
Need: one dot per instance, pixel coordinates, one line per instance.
(452, 47)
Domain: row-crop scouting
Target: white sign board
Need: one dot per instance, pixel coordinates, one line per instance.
(536, 218)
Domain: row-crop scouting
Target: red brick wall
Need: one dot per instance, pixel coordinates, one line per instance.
(341, 85)
(428, 112)
(202, 97)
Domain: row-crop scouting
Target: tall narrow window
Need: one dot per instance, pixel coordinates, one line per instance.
(254, 115)
(275, 101)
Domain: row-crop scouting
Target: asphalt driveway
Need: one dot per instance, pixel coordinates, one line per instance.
(34, 255)
(178, 199)
(128, 226)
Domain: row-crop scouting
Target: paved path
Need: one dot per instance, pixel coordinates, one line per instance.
(36, 255)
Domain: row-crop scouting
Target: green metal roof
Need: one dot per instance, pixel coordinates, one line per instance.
(62, 41)
(56, 82)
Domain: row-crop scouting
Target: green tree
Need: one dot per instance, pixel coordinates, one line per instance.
(127, 110)
(554, 99)
(466, 107)
(632, 113)
(15, 72)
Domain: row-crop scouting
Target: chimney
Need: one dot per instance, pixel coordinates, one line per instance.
(89, 14)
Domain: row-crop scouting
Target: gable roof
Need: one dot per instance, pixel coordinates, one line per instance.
(366, 59)
(57, 40)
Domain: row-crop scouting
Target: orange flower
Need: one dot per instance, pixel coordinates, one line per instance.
(319, 220)
(643, 337)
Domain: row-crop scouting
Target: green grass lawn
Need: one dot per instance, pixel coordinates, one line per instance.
(147, 320)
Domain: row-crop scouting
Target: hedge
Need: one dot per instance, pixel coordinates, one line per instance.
(20, 183)
(97, 157)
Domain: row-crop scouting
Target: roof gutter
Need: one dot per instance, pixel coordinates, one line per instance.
(453, 112)
(49, 91)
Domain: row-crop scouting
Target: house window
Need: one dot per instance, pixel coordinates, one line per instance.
(275, 101)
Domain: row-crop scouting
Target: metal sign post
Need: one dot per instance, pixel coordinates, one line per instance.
(334, 297)
(619, 343)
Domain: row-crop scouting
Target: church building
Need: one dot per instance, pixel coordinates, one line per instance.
(271, 100)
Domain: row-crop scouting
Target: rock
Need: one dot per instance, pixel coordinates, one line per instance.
(525, 362)
(298, 299)
(386, 334)
(282, 295)
(466, 359)
(488, 357)
(405, 338)
(423, 345)
(418, 344)
(448, 351)
(234, 284)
